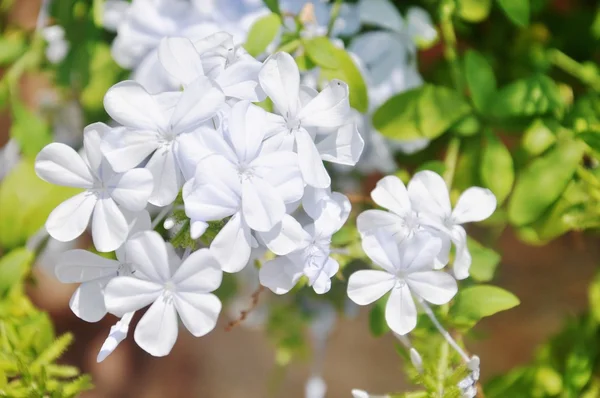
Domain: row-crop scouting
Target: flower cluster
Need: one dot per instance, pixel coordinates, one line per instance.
(259, 174)
(411, 243)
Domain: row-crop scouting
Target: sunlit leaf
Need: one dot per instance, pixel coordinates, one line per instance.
(476, 302)
(497, 170)
(424, 112)
(481, 80)
(262, 33)
(516, 10)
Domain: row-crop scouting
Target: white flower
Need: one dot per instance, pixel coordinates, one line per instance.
(58, 47)
(303, 111)
(153, 126)
(105, 192)
(400, 222)
(173, 287)
(429, 196)
(244, 180)
(312, 258)
(407, 270)
(231, 67)
(94, 272)
(115, 12)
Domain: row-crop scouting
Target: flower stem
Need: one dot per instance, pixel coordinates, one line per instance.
(335, 12)
(447, 9)
(451, 160)
(443, 331)
(587, 75)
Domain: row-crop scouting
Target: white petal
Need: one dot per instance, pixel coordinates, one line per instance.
(76, 266)
(179, 58)
(232, 246)
(331, 108)
(240, 81)
(92, 139)
(384, 250)
(262, 205)
(368, 286)
(109, 226)
(166, 175)
(462, 259)
(215, 192)
(390, 193)
(343, 147)
(148, 254)
(475, 204)
(199, 273)
(420, 26)
(286, 237)
(281, 170)
(280, 275)
(418, 253)
(125, 149)
(280, 79)
(118, 333)
(400, 311)
(59, 164)
(429, 194)
(321, 279)
(200, 101)
(437, 287)
(156, 333)
(247, 130)
(71, 217)
(311, 165)
(88, 301)
(132, 189)
(369, 222)
(126, 294)
(132, 106)
(380, 13)
(198, 311)
(194, 147)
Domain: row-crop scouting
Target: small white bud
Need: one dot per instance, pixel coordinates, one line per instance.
(169, 223)
(359, 394)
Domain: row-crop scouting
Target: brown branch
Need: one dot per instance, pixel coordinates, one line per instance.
(244, 314)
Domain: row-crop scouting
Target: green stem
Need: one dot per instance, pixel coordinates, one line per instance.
(451, 160)
(586, 74)
(450, 49)
(442, 367)
(335, 12)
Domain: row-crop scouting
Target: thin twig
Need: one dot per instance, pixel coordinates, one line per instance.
(244, 314)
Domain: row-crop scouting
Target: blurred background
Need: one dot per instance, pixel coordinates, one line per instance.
(551, 281)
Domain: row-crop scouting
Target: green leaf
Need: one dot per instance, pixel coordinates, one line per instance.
(481, 80)
(319, 50)
(497, 170)
(12, 46)
(484, 261)
(377, 322)
(537, 95)
(262, 33)
(537, 138)
(98, 12)
(468, 126)
(348, 72)
(592, 139)
(273, 5)
(476, 302)
(424, 112)
(29, 130)
(25, 203)
(516, 10)
(542, 182)
(474, 10)
(13, 268)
